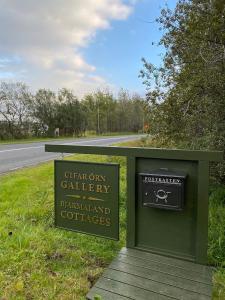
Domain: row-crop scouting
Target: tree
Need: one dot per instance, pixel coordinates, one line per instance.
(187, 93)
(71, 113)
(14, 109)
(44, 110)
(100, 108)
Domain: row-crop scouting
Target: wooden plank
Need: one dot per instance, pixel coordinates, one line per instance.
(185, 284)
(138, 152)
(169, 261)
(131, 201)
(172, 270)
(105, 295)
(139, 275)
(202, 213)
(129, 291)
(153, 286)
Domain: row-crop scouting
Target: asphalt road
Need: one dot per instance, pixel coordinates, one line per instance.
(16, 156)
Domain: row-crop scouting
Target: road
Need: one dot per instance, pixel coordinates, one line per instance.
(16, 156)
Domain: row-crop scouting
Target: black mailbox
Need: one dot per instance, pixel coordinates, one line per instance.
(163, 189)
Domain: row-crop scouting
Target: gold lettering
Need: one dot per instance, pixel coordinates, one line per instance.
(101, 209)
(97, 178)
(99, 188)
(66, 174)
(107, 210)
(91, 187)
(84, 176)
(70, 185)
(67, 204)
(63, 184)
(77, 186)
(106, 187)
(102, 178)
(84, 186)
(91, 176)
(82, 217)
(77, 206)
(101, 221)
(76, 216)
(69, 215)
(63, 214)
(108, 222)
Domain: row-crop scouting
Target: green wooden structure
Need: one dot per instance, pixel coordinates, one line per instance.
(87, 197)
(139, 275)
(165, 247)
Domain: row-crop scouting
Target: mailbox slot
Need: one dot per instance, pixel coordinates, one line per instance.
(163, 189)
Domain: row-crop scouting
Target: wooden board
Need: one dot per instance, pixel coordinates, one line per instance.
(139, 275)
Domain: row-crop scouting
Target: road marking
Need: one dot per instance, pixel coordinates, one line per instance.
(99, 140)
(36, 147)
(19, 149)
(13, 169)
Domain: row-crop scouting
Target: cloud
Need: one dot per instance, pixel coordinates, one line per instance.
(42, 41)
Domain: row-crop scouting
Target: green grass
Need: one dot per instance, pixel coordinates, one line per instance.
(38, 261)
(216, 250)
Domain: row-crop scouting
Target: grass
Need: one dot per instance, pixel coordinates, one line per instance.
(216, 248)
(38, 261)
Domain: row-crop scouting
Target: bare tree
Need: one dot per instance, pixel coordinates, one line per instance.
(14, 110)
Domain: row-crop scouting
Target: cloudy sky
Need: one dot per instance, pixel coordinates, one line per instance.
(79, 44)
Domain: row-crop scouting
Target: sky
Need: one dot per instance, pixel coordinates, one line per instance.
(83, 45)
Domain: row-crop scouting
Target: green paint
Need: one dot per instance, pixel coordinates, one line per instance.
(181, 234)
(86, 198)
(168, 232)
(139, 152)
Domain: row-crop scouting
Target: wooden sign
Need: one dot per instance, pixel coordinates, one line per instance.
(87, 197)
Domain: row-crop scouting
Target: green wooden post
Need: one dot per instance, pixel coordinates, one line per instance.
(131, 201)
(202, 212)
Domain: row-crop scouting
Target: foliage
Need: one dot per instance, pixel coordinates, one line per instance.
(107, 114)
(44, 111)
(187, 93)
(14, 109)
(71, 113)
(47, 112)
(217, 226)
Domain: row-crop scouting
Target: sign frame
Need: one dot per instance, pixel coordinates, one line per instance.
(115, 196)
(136, 158)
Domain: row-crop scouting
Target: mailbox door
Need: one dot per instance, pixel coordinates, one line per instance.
(163, 191)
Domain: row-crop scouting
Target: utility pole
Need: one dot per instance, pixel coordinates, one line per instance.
(98, 119)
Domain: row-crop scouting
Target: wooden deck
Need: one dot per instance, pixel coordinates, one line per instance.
(139, 275)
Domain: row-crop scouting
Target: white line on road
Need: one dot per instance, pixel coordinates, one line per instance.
(84, 141)
(99, 140)
(19, 149)
(13, 169)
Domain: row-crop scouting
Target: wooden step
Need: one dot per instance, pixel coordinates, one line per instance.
(140, 275)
